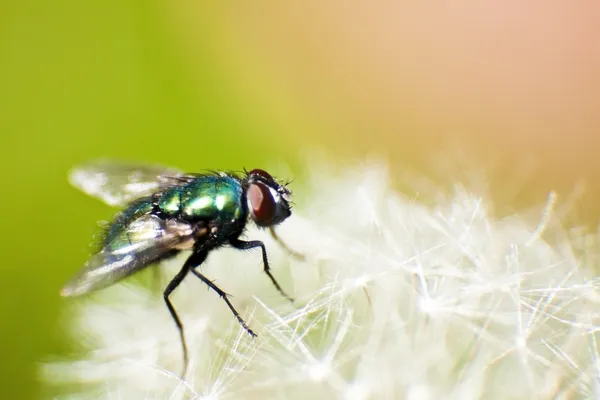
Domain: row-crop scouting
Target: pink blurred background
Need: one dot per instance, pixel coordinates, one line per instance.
(511, 87)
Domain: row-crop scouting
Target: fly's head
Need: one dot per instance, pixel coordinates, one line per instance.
(268, 201)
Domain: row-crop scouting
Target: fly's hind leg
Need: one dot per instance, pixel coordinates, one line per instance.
(191, 263)
(167, 292)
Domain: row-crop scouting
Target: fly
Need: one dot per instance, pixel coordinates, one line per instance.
(168, 211)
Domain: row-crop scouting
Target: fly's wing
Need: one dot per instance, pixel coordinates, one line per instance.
(146, 241)
(117, 183)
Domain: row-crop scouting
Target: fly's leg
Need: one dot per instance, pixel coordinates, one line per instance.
(190, 264)
(168, 290)
(243, 245)
(223, 295)
(284, 246)
(157, 278)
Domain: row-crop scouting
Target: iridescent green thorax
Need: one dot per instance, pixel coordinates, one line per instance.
(215, 198)
(213, 201)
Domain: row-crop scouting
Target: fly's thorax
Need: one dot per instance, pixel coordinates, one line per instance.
(213, 198)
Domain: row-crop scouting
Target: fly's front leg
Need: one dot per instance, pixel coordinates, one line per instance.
(282, 244)
(246, 245)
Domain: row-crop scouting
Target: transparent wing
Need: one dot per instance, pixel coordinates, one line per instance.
(148, 240)
(117, 183)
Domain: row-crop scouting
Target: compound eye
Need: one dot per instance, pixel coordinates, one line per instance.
(261, 173)
(261, 203)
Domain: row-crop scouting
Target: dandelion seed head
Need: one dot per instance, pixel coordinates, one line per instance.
(394, 299)
(419, 392)
(319, 371)
(357, 391)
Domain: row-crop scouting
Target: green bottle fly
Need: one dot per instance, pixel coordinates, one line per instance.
(167, 212)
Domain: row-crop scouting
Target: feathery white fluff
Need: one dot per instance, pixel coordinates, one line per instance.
(395, 300)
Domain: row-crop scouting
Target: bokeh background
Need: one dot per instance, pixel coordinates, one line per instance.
(507, 89)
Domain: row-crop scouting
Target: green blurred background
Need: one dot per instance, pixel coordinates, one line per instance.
(83, 80)
(507, 88)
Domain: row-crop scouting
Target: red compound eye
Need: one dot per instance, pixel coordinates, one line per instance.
(262, 173)
(261, 202)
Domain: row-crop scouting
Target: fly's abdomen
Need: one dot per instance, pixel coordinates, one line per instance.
(141, 230)
(117, 233)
